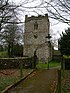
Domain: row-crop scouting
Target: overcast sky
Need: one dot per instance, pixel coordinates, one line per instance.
(56, 27)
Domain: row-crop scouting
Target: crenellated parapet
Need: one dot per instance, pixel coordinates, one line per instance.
(39, 17)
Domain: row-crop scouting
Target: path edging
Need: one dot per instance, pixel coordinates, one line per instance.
(16, 83)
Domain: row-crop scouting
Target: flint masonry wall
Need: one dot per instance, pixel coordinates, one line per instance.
(36, 30)
(10, 63)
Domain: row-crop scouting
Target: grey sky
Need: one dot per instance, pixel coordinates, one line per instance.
(56, 27)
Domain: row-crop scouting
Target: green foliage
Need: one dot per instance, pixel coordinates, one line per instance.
(65, 81)
(66, 57)
(6, 81)
(3, 54)
(11, 36)
(51, 64)
(18, 50)
(1, 48)
(63, 73)
(64, 43)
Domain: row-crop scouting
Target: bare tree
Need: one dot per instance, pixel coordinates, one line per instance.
(11, 35)
(8, 13)
(59, 10)
(56, 9)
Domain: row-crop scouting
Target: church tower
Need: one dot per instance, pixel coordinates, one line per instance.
(36, 30)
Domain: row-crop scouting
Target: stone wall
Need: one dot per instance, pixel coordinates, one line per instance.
(8, 63)
(34, 38)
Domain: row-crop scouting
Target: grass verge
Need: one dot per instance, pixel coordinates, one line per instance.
(8, 80)
(51, 64)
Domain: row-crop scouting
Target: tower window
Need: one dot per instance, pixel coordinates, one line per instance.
(36, 25)
(35, 36)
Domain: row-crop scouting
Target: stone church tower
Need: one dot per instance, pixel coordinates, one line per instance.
(36, 30)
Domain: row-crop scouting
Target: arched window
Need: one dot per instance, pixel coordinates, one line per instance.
(35, 25)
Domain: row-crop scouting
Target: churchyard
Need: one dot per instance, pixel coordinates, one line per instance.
(10, 76)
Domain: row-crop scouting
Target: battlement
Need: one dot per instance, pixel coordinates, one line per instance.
(39, 17)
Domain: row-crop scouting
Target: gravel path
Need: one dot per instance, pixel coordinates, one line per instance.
(41, 81)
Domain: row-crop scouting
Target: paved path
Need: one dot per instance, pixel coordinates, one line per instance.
(41, 81)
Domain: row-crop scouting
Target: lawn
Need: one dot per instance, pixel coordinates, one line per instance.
(51, 64)
(10, 76)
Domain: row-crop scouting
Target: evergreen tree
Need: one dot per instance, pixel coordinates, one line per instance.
(64, 42)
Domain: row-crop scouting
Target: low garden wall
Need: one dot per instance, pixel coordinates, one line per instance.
(6, 63)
